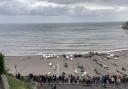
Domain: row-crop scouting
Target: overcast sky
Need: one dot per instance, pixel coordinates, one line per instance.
(63, 10)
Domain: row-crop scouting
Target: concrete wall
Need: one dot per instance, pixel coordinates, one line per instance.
(4, 82)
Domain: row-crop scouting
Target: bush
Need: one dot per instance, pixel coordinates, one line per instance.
(1, 64)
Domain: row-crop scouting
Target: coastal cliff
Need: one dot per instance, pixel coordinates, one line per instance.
(125, 25)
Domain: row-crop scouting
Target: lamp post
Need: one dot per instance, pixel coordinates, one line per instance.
(15, 69)
(58, 69)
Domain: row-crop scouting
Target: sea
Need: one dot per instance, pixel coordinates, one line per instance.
(43, 38)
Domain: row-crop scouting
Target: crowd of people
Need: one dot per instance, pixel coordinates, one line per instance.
(73, 79)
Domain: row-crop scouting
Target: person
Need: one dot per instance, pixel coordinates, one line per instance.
(18, 76)
(53, 86)
(112, 79)
(31, 75)
(118, 80)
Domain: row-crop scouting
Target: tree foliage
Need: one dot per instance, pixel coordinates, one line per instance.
(1, 64)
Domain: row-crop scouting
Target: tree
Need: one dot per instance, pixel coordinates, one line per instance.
(1, 64)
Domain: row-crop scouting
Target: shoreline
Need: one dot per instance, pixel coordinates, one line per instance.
(61, 53)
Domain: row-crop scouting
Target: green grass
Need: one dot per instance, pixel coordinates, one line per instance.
(17, 84)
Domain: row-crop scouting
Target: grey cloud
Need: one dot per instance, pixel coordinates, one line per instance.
(105, 2)
(60, 7)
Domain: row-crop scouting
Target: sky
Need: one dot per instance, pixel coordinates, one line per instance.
(63, 10)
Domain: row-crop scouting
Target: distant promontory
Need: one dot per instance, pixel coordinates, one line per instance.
(125, 25)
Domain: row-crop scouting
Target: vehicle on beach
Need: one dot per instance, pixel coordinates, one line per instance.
(50, 64)
(54, 67)
(65, 65)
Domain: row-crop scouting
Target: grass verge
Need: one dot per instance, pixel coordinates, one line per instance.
(17, 84)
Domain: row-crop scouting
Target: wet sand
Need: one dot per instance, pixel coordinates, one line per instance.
(37, 64)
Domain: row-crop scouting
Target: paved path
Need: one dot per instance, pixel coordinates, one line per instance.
(75, 86)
